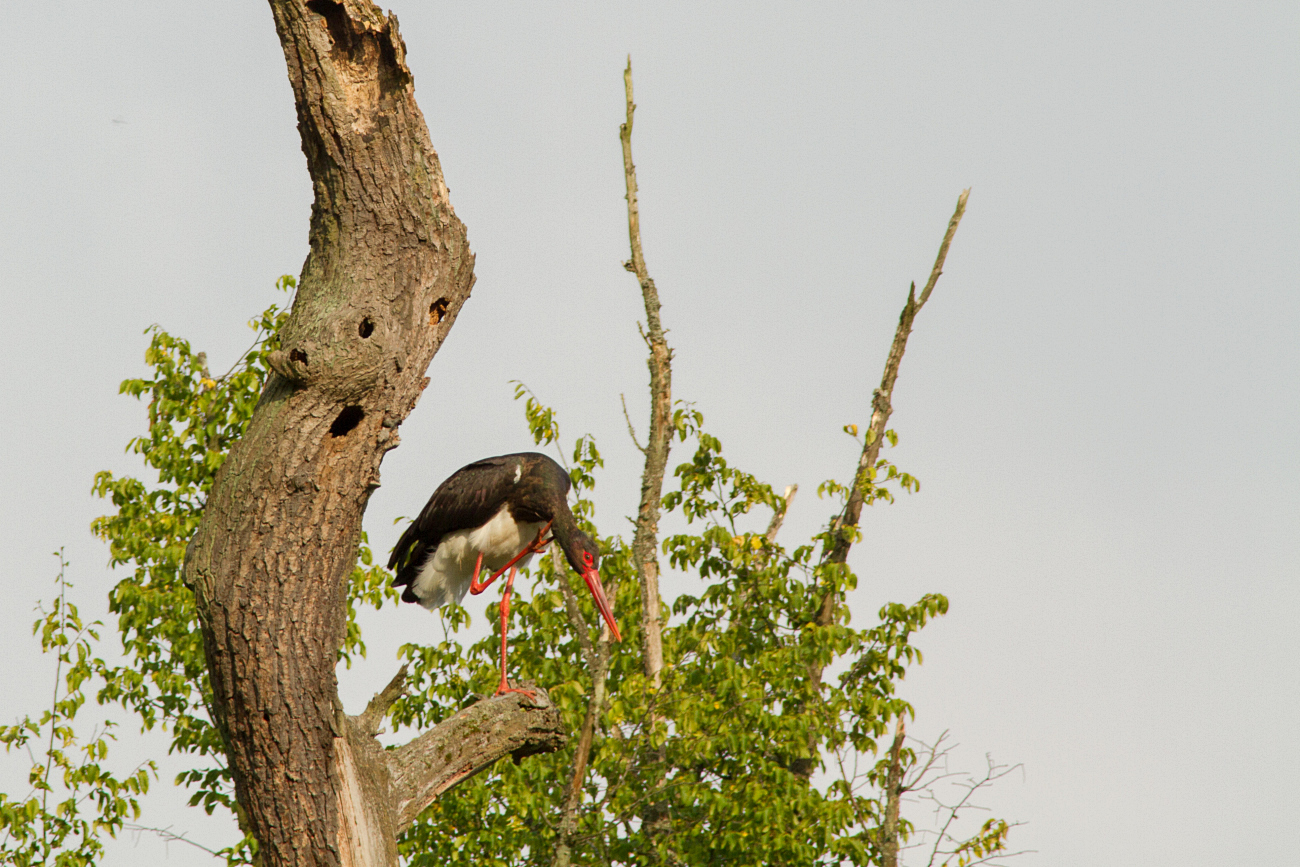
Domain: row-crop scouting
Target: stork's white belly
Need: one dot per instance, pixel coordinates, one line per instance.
(447, 572)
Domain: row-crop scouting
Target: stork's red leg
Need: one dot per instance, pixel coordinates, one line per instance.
(505, 619)
(475, 587)
(533, 547)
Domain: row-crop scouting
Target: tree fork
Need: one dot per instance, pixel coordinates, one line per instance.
(388, 270)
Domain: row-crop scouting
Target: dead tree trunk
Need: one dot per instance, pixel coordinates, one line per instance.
(645, 543)
(388, 271)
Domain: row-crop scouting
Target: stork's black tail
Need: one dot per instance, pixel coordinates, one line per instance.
(408, 556)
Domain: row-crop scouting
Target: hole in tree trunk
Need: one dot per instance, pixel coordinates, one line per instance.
(339, 25)
(437, 310)
(366, 328)
(347, 420)
(298, 355)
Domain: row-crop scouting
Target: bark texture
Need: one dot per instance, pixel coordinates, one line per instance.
(893, 798)
(387, 274)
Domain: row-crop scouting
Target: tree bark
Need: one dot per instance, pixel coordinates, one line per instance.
(893, 798)
(388, 271)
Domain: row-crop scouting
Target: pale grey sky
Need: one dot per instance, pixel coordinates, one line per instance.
(1101, 399)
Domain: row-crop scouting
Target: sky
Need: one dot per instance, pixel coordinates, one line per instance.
(1100, 398)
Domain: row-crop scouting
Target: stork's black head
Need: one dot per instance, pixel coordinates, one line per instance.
(582, 553)
(584, 557)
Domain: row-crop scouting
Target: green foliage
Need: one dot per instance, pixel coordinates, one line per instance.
(876, 479)
(74, 797)
(731, 744)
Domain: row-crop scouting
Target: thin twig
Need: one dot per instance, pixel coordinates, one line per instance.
(171, 836)
(631, 431)
(917, 779)
(851, 789)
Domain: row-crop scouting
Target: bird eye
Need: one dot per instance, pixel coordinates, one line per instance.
(586, 559)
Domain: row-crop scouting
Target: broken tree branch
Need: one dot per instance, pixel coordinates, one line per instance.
(778, 517)
(372, 718)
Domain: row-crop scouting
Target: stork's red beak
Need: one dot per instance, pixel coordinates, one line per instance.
(592, 577)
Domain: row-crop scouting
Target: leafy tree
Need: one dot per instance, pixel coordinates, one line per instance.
(74, 799)
(740, 709)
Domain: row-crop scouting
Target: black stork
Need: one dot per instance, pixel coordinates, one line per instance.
(493, 513)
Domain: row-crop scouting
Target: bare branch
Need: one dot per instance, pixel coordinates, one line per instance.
(170, 836)
(917, 779)
(631, 431)
(644, 543)
(778, 517)
(951, 812)
(882, 408)
(472, 740)
(943, 248)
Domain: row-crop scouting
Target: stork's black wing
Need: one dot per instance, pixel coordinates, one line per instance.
(468, 498)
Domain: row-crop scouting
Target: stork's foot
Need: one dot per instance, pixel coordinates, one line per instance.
(505, 688)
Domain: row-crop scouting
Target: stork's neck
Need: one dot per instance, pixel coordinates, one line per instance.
(565, 529)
